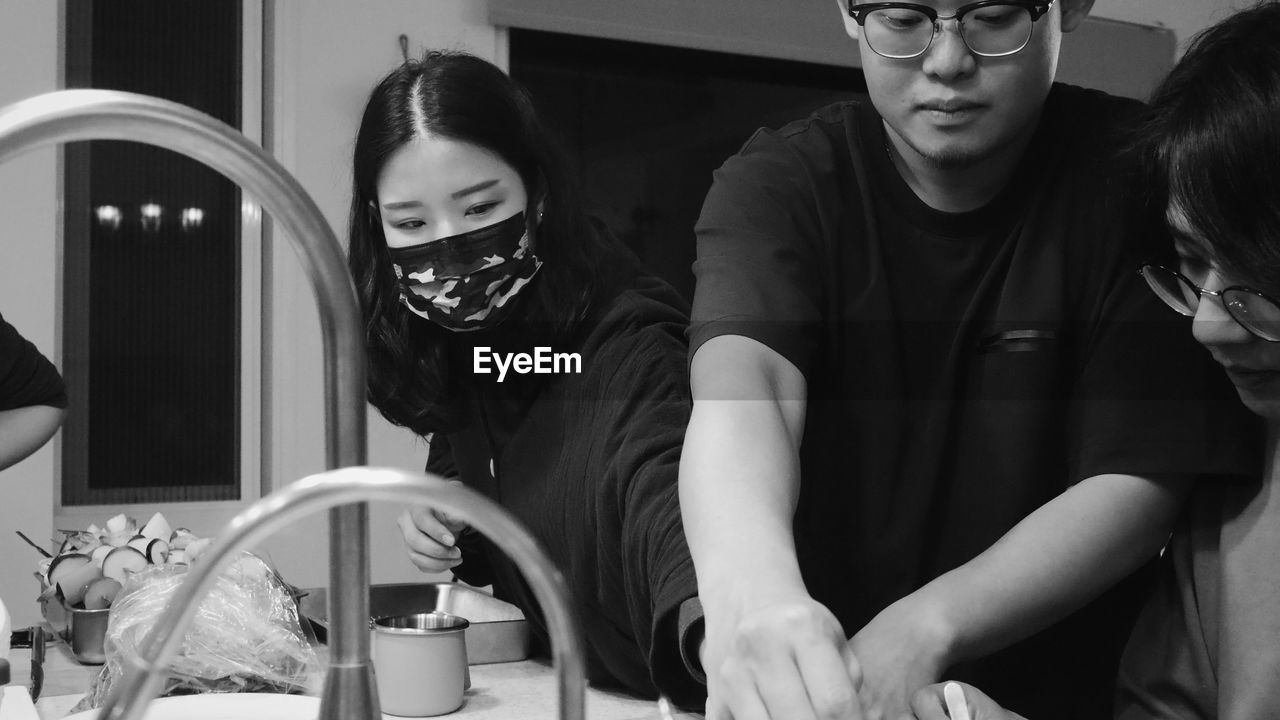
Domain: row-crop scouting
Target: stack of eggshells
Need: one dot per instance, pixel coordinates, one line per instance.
(90, 567)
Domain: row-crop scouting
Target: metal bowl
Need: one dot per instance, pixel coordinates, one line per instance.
(82, 630)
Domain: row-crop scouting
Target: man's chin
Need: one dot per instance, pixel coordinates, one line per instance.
(950, 153)
(956, 159)
(954, 155)
(1265, 407)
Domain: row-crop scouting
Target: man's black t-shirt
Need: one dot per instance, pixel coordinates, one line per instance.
(961, 369)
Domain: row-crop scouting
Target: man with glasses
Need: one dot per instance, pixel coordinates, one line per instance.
(935, 409)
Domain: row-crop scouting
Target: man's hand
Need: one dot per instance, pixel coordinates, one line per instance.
(784, 658)
(929, 703)
(431, 536)
(901, 650)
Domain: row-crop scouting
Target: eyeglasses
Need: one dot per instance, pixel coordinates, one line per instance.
(991, 28)
(1255, 312)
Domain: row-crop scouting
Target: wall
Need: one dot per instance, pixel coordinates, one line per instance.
(1184, 17)
(29, 289)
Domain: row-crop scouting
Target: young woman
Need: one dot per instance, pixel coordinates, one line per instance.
(1208, 643)
(546, 367)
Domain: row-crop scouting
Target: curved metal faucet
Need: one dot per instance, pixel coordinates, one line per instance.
(347, 485)
(70, 115)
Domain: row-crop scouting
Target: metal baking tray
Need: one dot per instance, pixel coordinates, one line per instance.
(498, 631)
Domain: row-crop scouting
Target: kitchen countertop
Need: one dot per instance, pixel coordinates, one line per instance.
(499, 691)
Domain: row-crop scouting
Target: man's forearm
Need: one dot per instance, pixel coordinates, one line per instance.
(1057, 559)
(739, 481)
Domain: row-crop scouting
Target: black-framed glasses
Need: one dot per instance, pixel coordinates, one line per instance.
(1253, 309)
(990, 28)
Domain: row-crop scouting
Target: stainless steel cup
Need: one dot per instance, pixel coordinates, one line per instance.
(420, 663)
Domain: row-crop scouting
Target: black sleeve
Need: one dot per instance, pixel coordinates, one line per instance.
(756, 271)
(26, 377)
(440, 457)
(657, 570)
(692, 628)
(475, 568)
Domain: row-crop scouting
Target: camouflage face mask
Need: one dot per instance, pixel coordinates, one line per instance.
(468, 281)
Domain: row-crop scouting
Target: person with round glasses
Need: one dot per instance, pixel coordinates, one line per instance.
(935, 425)
(1207, 644)
(1254, 310)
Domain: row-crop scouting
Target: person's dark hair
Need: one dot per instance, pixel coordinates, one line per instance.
(461, 97)
(1211, 144)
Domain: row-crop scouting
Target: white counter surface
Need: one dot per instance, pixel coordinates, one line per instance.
(503, 691)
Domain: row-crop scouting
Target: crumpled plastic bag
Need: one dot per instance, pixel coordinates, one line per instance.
(245, 637)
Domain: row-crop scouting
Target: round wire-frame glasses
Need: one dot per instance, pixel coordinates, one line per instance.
(1254, 310)
(909, 33)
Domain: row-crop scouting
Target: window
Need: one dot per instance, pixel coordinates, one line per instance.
(161, 297)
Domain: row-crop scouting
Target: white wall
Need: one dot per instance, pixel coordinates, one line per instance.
(29, 290)
(1184, 17)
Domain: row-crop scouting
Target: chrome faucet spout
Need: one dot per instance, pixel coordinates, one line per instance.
(347, 485)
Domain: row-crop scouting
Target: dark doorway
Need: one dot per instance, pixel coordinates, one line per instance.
(647, 125)
(152, 267)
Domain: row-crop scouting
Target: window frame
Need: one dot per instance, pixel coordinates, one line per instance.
(254, 248)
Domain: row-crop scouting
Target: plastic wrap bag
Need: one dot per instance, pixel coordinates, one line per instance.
(245, 637)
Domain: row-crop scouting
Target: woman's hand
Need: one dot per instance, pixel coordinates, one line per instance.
(431, 537)
(904, 648)
(930, 703)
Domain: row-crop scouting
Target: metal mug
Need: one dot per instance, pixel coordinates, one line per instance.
(420, 663)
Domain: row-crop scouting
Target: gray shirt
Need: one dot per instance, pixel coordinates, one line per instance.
(1208, 643)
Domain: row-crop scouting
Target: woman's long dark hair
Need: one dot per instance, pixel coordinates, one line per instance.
(461, 97)
(1211, 145)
